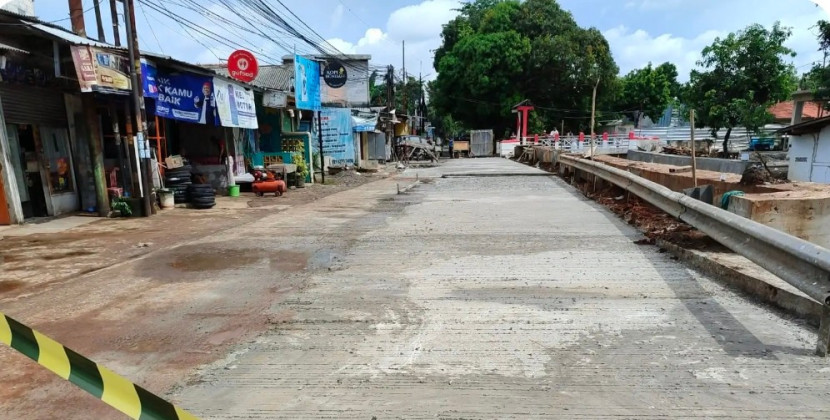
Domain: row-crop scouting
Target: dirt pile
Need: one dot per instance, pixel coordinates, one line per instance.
(653, 222)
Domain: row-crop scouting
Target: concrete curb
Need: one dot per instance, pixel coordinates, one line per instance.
(797, 305)
(495, 175)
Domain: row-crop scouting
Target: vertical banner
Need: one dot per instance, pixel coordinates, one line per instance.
(338, 143)
(235, 105)
(149, 73)
(307, 83)
(187, 97)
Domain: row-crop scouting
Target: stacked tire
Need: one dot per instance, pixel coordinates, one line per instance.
(178, 180)
(201, 196)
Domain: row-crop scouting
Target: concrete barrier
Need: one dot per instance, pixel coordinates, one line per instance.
(706, 164)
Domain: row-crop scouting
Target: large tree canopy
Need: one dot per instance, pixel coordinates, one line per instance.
(741, 76)
(497, 53)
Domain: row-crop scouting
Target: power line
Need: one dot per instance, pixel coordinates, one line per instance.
(97, 3)
(143, 12)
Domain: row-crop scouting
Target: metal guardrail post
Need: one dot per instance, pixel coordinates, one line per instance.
(823, 346)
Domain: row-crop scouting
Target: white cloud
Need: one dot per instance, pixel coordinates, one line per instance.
(634, 49)
(419, 25)
(421, 22)
(645, 5)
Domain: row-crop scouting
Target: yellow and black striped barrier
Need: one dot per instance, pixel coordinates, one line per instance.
(97, 380)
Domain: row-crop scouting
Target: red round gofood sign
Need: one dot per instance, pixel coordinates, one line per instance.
(242, 66)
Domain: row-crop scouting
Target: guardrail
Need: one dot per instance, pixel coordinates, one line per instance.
(802, 264)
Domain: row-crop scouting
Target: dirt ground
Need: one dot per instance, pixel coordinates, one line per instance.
(34, 261)
(152, 298)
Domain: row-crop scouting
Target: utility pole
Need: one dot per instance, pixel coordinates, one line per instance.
(320, 139)
(114, 16)
(390, 104)
(92, 122)
(421, 103)
(694, 151)
(405, 79)
(138, 105)
(593, 116)
(76, 17)
(98, 22)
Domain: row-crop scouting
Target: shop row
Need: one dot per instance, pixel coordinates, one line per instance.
(68, 142)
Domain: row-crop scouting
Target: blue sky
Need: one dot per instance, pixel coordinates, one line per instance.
(639, 31)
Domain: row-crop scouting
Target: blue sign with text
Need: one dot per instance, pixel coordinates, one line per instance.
(338, 142)
(149, 74)
(186, 97)
(307, 83)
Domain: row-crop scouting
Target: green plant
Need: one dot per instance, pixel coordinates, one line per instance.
(302, 165)
(118, 204)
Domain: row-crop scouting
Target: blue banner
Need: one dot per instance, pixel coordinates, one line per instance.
(338, 142)
(307, 83)
(149, 73)
(186, 97)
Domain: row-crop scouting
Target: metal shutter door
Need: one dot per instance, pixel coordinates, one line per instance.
(33, 105)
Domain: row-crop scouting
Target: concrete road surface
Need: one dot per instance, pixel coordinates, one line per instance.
(495, 297)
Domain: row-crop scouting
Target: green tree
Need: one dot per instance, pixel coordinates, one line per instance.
(817, 79)
(741, 76)
(648, 91)
(497, 53)
(377, 90)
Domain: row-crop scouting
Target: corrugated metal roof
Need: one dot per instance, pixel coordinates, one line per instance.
(69, 36)
(269, 77)
(8, 47)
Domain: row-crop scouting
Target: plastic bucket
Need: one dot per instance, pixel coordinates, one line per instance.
(233, 190)
(167, 199)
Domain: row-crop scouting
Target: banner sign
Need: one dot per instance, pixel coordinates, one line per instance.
(338, 142)
(149, 73)
(186, 97)
(235, 105)
(307, 83)
(100, 70)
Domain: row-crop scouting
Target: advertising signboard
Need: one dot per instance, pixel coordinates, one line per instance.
(242, 66)
(307, 83)
(235, 105)
(100, 70)
(186, 97)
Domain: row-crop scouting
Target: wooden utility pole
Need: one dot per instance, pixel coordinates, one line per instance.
(593, 116)
(405, 104)
(98, 22)
(114, 16)
(76, 17)
(138, 107)
(694, 147)
(390, 105)
(92, 121)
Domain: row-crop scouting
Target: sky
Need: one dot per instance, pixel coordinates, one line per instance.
(639, 31)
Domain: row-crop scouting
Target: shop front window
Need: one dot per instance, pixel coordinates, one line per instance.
(56, 151)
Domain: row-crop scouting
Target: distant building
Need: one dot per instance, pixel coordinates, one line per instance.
(20, 7)
(784, 112)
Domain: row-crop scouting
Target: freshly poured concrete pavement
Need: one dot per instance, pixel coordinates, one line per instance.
(513, 297)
